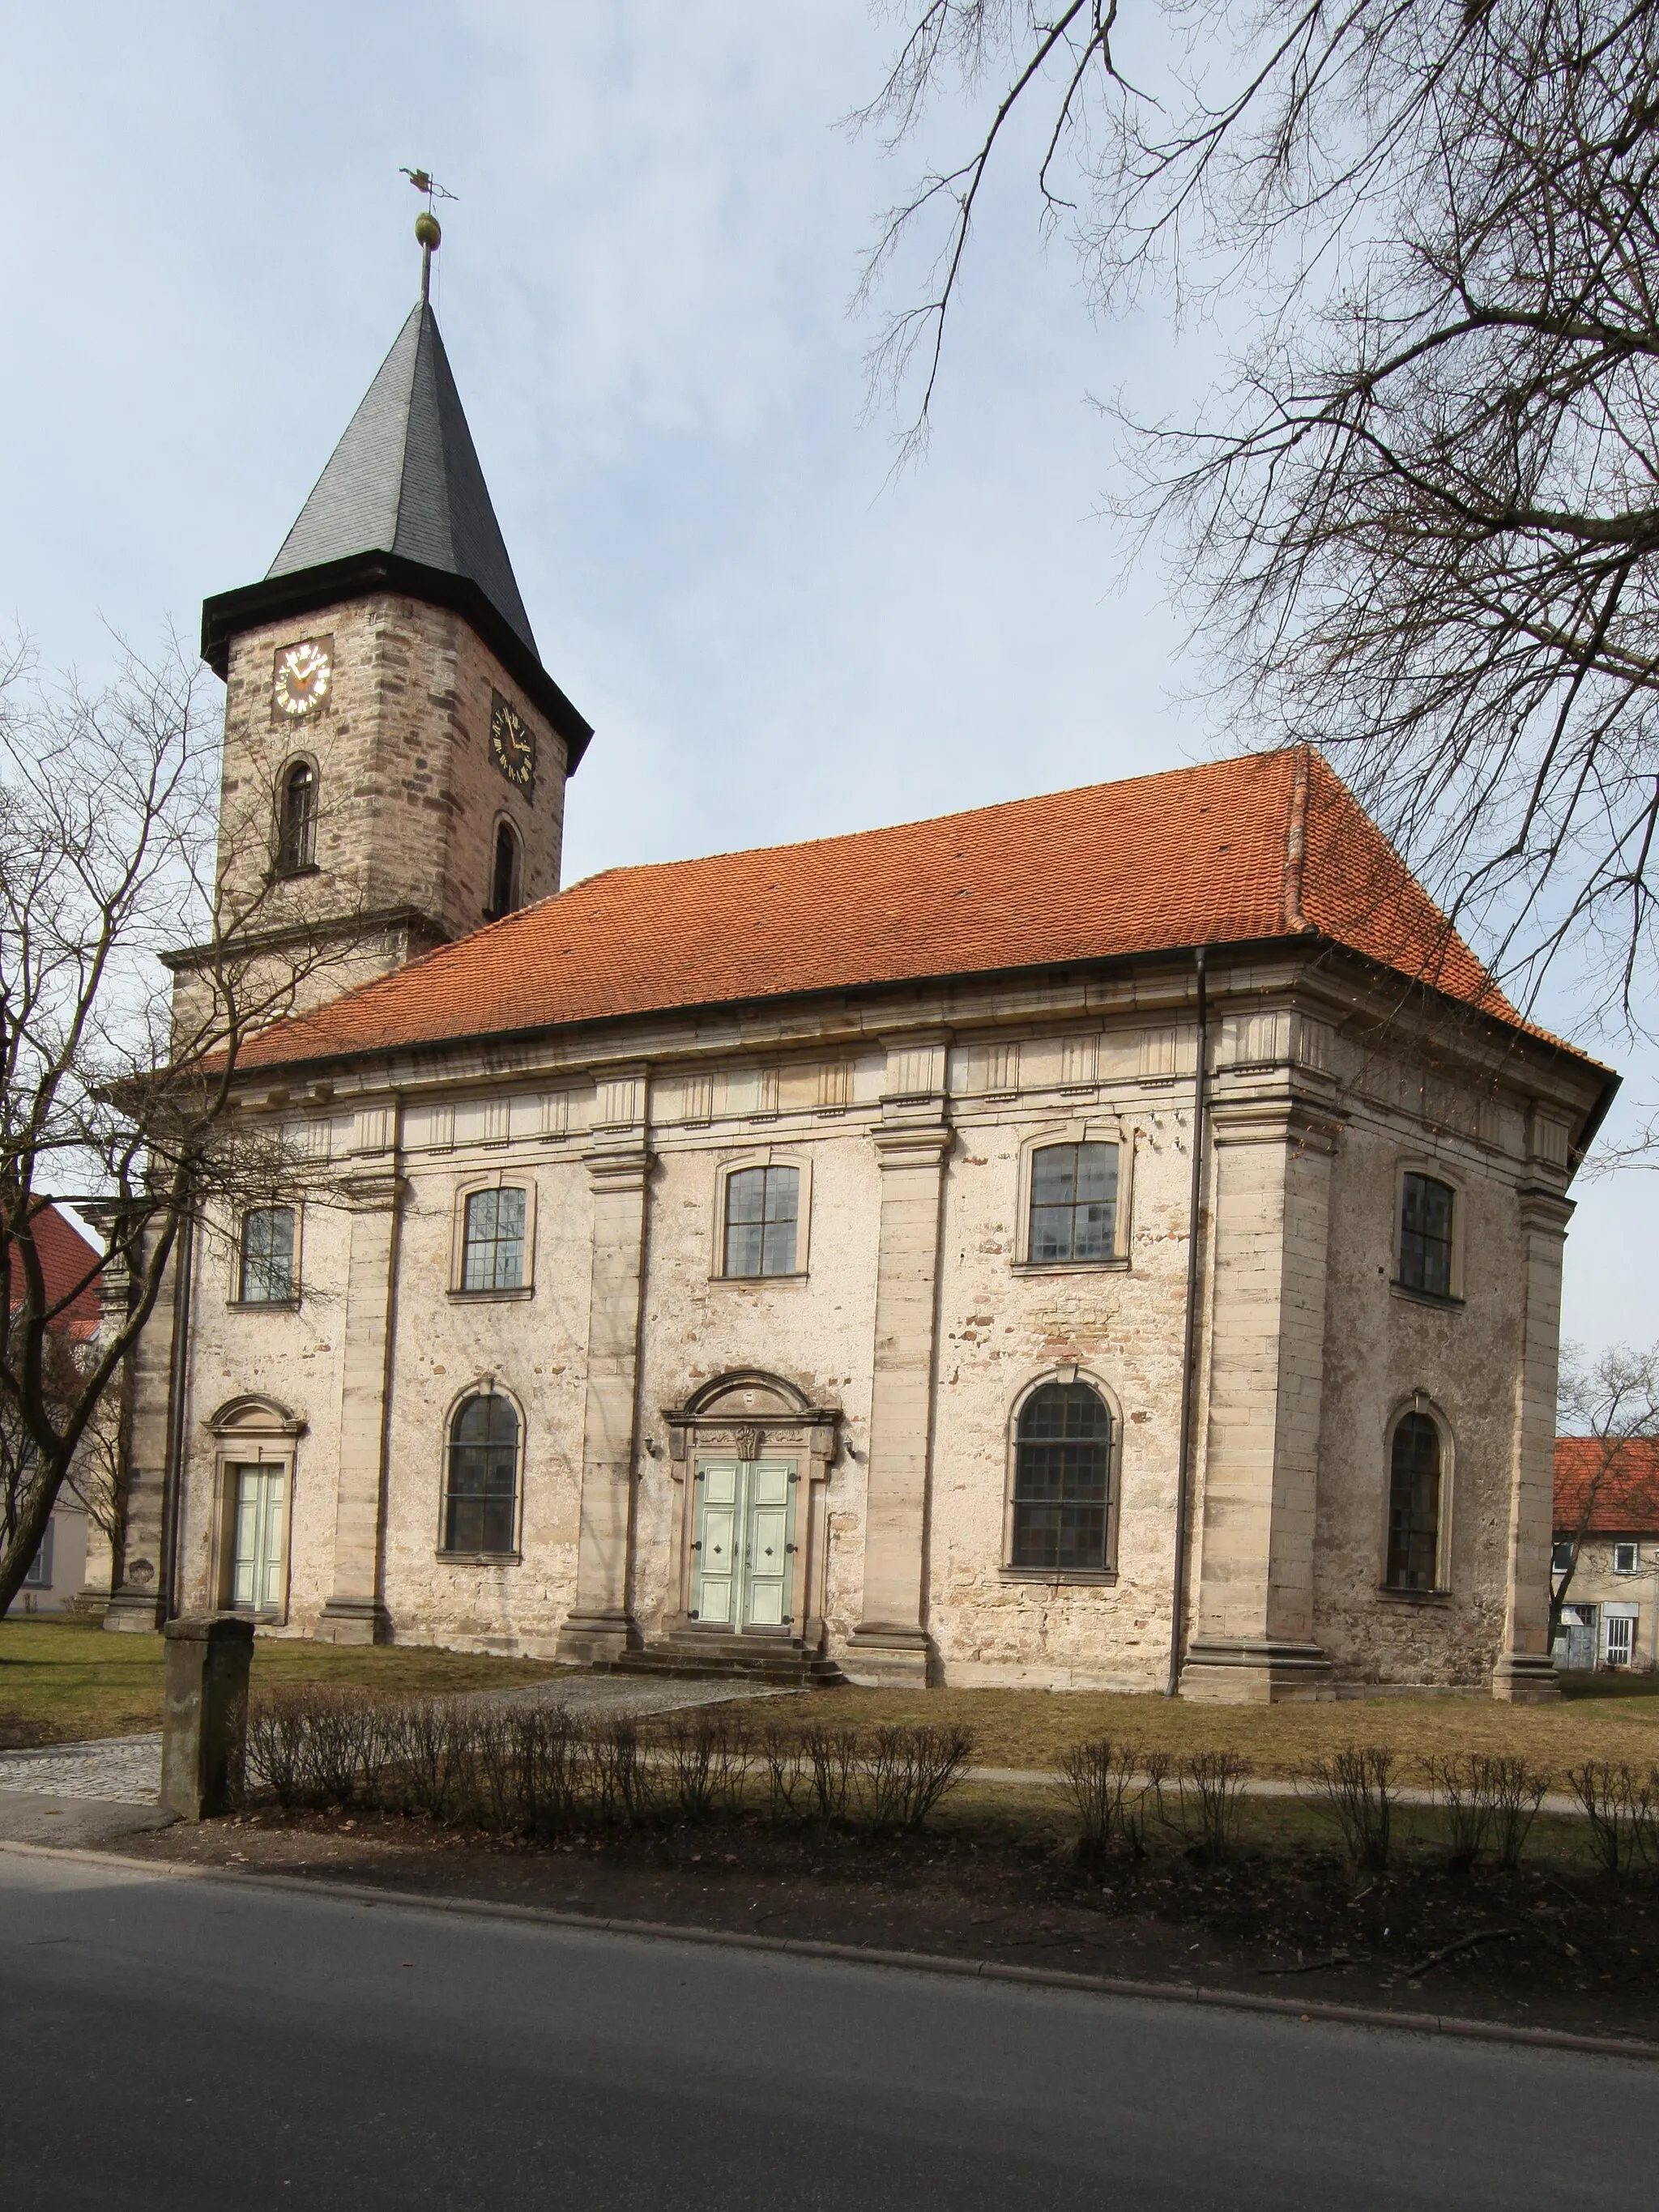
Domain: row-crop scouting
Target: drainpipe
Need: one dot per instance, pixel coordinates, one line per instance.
(1189, 1345)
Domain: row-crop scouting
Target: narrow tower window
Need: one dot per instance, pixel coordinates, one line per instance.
(1425, 1235)
(504, 883)
(1414, 1504)
(296, 828)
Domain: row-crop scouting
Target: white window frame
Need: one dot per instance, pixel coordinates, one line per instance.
(1084, 1578)
(1438, 1172)
(1095, 1129)
(291, 1304)
(482, 1386)
(504, 1178)
(1634, 1566)
(1606, 1614)
(1420, 1402)
(766, 1155)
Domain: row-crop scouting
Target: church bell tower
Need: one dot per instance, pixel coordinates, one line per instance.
(395, 754)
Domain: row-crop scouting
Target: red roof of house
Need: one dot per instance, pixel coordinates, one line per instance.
(1269, 846)
(67, 1260)
(1627, 1496)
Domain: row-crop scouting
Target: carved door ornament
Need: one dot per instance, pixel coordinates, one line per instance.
(750, 1442)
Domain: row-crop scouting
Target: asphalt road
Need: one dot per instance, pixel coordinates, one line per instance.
(179, 2043)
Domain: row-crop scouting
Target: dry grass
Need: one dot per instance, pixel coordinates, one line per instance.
(1035, 1728)
(61, 1681)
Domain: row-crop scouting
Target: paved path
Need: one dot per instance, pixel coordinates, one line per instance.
(173, 2041)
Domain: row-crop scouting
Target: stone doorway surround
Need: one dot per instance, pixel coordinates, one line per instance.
(748, 1414)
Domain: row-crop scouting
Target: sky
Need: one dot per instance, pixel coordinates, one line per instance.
(647, 292)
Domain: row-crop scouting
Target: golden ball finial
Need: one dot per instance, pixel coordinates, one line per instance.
(427, 232)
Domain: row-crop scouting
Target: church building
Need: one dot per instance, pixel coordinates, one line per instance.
(1112, 1239)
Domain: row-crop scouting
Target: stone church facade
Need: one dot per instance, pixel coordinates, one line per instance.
(1112, 1239)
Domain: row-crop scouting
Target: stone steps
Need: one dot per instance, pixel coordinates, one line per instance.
(731, 1659)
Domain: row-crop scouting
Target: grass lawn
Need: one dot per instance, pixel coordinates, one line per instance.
(1034, 1727)
(61, 1681)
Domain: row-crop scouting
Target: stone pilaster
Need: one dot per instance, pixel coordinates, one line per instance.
(601, 1626)
(1524, 1673)
(1254, 1640)
(889, 1644)
(139, 1599)
(356, 1612)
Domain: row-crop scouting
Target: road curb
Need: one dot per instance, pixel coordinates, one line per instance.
(986, 1969)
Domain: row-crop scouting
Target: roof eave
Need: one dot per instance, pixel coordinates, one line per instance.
(307, 591)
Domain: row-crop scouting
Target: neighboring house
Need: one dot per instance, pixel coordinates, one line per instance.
(1028, 1247)
(1611, 1618)
(57, 1578)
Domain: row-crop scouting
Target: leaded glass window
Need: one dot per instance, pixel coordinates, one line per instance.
(1414, 1504)
(1062, 1455)
(492, 1240)
(480, 1492)
(763, 1219)
(266, 1273)
(1425, 1235)
(1073, 1202)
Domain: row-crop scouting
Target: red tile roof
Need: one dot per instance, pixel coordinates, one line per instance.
(1626, 1497)
(1268, 846)
(66, 1260)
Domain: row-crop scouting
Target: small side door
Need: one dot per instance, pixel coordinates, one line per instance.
(715, 1542)
(768, 1530)
(259, 1547)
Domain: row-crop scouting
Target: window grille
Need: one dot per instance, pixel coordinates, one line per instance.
(1074, 1203)
(296, 842)
(265, 1276)
(1425, 1235)
(762, 1220)
(492, 1240)
(1414, 1504)
(481, 1492)
(1062, 1454)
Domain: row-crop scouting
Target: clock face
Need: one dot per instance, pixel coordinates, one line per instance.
(512, 746)
(304, 677)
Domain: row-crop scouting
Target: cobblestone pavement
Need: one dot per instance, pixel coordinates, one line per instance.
(126, 1769)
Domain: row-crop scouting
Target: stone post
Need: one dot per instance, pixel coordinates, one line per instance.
(1254, 1640)
(1524, 1673)
(204, 1714)
(889, 1644)
(356, 1612)
(601, 1626)
(138, 1600)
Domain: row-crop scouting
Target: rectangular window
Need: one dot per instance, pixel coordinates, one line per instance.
(1074, 1203)
(266, 1275)
(1561, 1558)
(762, 1211)
(1627, 1559)
(492, 1250)
(1425, 1235)
(39, 1574)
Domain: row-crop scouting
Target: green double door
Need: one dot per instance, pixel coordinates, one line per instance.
(744, 1544)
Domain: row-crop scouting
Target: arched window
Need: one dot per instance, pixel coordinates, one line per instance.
(1074, 1203)
(1414, 1504)
(762, 1220)
(504, 881)
(297, 825)
(482, 1483)
(1062, 1459)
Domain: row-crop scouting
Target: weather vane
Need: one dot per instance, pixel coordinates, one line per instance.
(427, 230)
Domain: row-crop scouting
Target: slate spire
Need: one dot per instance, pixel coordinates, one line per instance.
(404, 479)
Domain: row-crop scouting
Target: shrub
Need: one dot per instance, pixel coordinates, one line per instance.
(1111, 1787)
(907, 1770)
(1623, 1813)
(1486, 1800)
(789, 1784)
(1212, 1785)
(834, 1753)
(706, 1762)
(1354, 1787)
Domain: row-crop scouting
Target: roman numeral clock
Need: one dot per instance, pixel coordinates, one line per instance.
(512, 746)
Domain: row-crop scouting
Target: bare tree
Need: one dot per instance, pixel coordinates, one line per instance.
(114, 1091)
(1614, 1401)
(1418, 519)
